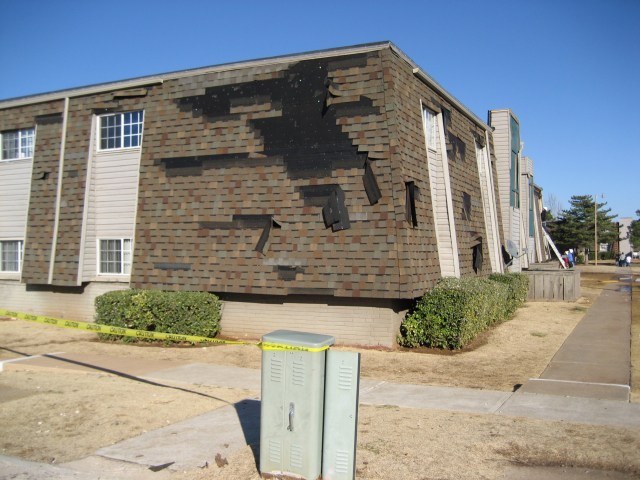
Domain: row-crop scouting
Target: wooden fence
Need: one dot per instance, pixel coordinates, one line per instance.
(555, 285)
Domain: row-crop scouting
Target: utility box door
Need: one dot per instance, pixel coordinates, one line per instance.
(340, 415)
(292, 404)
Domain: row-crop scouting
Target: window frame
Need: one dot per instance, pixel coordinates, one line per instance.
(411, 195)
(25, 144)
(127, 127)
(124, 262)
(467, 206)
(20, 253)
(531, 212)
(514, 197)
(430, 127)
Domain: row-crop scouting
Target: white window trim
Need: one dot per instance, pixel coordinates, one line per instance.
(98, 132)
(430, 127)
(446, 237)
(21, 132)
(122, 259)
(20, 254)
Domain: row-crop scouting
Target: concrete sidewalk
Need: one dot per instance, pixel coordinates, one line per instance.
(587, 381)
(595, 360)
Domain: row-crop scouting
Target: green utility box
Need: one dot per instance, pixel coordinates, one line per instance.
(292, 408)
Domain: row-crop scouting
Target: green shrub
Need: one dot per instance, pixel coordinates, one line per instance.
(456, 310)
(518, 284)
(185, 313)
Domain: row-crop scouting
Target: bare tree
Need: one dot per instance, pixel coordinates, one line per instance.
(553, 204)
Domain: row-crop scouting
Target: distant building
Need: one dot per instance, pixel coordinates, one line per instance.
(521, 199)
(624, 245)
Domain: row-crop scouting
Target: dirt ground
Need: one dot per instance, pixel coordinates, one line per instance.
(60, 416)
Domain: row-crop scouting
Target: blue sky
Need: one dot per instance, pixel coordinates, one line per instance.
(569, 69)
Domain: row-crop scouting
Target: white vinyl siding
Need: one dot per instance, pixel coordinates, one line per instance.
(440, 193)
(516, 239)
(110, 204)
(540, 243)
(526, 194)
(511, 221)
(489, 207)
(524, 243)
(15, 186)
(502, 149)
(526, 203)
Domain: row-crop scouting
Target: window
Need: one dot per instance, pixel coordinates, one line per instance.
(515, 183)
(514, 200)
(477, 256)
(531, 215)
(17, 144)
(10, 255)
(411, 195)
(115, 256)
(430, 127)
(466, 206)
(121, 130)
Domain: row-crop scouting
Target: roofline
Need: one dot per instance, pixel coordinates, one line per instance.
(430, 82)
(81, 91)
(508, 110)
(160, 78)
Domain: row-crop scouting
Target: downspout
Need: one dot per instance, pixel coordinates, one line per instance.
(56, 222)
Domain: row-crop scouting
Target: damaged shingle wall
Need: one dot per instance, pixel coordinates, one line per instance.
(72, 193)
(419, 261)
(302, 175)
(269, 180)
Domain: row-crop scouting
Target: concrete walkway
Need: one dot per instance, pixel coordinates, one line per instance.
(595, 360)
(587, 381)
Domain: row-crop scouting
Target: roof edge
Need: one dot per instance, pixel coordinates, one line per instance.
(508, 110)
(160, 78)
(426, 78)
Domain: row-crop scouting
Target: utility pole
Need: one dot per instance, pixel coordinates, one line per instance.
(595, 223)
(595, 229)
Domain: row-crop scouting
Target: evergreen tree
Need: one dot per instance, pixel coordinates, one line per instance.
(575, 227)
(634, 233)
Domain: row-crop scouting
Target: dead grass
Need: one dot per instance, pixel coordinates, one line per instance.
(68, 415)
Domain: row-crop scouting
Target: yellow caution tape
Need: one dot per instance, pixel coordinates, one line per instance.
(280, 346)
(131, 332)
(112, 330)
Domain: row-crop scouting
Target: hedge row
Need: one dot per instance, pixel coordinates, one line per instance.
(185, 313)
(454, 312)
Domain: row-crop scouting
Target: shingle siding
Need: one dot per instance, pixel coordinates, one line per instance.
(253, 143)
(43, 192)
(419, 248)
